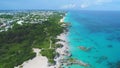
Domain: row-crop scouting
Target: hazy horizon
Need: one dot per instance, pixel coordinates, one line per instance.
(60, 5)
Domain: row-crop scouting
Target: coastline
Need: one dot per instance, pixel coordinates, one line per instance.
(62, 20)
(63, 51)
(41, 61)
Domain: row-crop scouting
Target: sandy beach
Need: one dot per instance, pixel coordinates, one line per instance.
(62, 20)
(61, 51)
(38, 62)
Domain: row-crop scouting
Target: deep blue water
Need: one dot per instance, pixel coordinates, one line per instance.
(98, 30)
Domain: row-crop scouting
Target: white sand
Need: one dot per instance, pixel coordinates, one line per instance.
(62, 50)
(65, 44)
(37, 62)
(62, 20)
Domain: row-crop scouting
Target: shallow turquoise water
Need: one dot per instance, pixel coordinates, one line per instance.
(99, 30)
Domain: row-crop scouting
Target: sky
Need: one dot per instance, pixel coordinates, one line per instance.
(61, 4)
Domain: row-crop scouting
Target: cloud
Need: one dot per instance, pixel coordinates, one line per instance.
(84, 5)
(92, 3)
(68, 6)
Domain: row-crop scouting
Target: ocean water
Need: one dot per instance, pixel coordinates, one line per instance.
(98, 30)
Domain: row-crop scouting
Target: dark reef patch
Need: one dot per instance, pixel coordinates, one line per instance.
(114, 64)
(110, 46)
(101, 59)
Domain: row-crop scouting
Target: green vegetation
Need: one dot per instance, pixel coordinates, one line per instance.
(17, 42)
(6, 16)
(49, 53)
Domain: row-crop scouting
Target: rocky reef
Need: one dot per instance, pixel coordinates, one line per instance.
(70, 61)
(84, 48)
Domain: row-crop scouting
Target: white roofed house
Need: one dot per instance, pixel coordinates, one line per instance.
(20, 22)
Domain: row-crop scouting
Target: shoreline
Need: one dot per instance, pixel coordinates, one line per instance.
(62, 51)
(36, 61)
(62, 20)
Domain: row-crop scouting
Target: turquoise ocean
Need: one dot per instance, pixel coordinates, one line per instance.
(98, 30)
